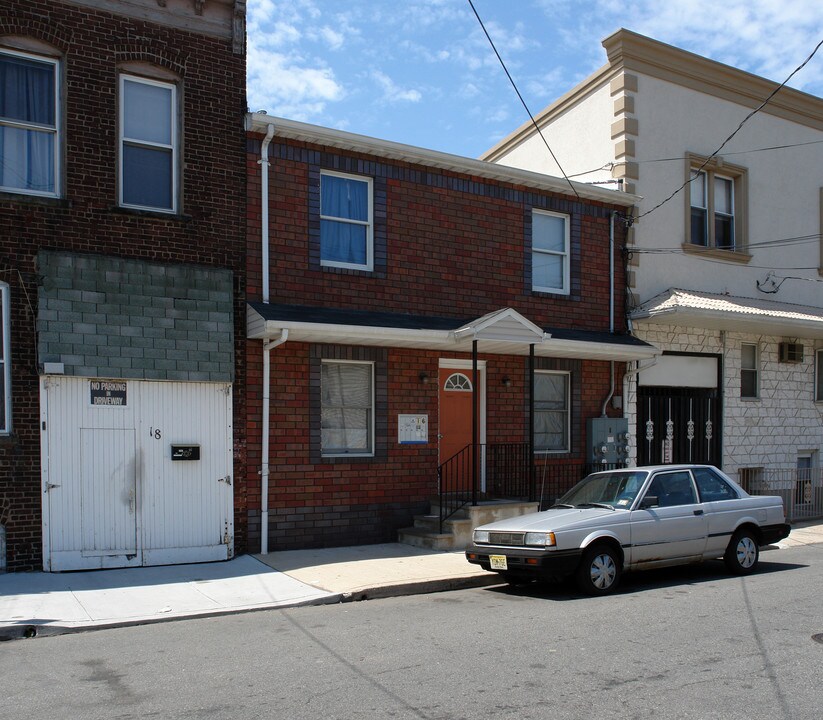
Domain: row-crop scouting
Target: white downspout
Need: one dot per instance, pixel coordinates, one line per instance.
(264, 242)
(264, 207)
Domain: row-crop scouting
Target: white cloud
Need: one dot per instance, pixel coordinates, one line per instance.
(391, 92)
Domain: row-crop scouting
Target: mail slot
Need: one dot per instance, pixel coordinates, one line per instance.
(185, 452)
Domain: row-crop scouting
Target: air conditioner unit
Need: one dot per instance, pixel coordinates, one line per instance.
(791, 352)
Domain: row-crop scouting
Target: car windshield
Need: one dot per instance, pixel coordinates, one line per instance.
(609, 489)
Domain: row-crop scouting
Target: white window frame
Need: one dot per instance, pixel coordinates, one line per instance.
(371, 453)
(58, 136)
(755, 370)
(5, 354)
(123, 140)
(818, 375)
(369, 224)
(567, 449)
(565, 255)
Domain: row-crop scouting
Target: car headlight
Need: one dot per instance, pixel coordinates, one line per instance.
(481, 536)
(540, 539)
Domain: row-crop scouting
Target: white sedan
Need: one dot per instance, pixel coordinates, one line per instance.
(633, 519)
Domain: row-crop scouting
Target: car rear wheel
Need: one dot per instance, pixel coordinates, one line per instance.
(599, 571)
(743, 553)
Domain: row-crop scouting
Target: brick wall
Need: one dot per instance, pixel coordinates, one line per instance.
(454, 244)
(445, 245)
(208, 231)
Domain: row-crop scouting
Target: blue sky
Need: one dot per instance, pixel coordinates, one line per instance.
(422, 72)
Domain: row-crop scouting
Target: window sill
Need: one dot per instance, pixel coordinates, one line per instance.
(716, 253)
(750, 399)
(551, 293)
(157, 214)
(24, 199)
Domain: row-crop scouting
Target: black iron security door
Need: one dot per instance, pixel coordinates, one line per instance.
(678, 425)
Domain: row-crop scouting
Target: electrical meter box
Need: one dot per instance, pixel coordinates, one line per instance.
(608, 440)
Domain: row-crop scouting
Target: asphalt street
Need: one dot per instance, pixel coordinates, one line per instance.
(690, 642)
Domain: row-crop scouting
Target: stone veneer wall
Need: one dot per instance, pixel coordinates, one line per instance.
(768, 431)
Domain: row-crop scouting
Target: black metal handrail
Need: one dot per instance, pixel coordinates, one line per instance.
(507, 469)
(455, 482)
(510, 475)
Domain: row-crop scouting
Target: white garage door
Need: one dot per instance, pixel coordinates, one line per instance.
(135, 473)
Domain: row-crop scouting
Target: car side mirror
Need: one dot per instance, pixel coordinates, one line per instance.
(649, 501)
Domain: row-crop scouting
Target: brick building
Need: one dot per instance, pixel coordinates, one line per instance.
(400, 292)
(122, 281)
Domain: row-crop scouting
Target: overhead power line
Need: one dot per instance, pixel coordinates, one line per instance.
(523, 102)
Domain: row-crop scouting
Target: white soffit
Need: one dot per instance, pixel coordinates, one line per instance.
(258, 328)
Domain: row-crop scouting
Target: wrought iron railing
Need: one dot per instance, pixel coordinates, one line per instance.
(509, 475)
(800, 488)
(455, 482)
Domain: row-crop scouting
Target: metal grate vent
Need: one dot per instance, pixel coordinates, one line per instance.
(504, 538)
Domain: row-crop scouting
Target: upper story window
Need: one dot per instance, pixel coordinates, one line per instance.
(550, 252)
(748, 370)
(5, 361)
(552, 416)
(346, 224)
(148, 144)
(716, 206)
(29, 124)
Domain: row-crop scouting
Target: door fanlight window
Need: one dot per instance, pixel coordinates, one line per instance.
(458, 382)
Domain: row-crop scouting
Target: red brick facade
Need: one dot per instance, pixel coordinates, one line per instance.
(91, 45)
(446, 245)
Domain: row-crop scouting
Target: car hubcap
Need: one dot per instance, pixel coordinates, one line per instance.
(746, 552)
(603, 571)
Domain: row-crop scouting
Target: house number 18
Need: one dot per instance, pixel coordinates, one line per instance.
(155, 433)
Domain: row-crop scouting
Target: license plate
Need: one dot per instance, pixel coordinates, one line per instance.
(498, 562)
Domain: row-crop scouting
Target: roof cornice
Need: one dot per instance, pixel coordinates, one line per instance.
(630, 51)
(315, 134)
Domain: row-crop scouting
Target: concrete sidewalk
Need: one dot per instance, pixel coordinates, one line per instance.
(36, 604)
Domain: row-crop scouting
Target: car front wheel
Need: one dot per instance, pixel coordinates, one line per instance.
(742, 553)
(599, 571)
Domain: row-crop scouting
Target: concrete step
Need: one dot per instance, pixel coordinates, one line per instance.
(457, 530)
(417, 537)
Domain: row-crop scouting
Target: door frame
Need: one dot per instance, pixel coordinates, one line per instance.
(460, 364)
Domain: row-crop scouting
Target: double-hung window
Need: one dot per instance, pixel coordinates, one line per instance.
(5, 361)
(550, 252)
(347, 408)
(712, 211)
(551, 411)
(29, 124)
(716, 198)
(148, 144)
(748, 370)
(346, 221)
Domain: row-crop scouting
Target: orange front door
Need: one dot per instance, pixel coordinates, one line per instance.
(455, 411)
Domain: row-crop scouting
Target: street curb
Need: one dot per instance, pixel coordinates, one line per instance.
(421, 587)
(26, 631)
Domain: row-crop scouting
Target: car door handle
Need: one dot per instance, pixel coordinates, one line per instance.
(698, 512)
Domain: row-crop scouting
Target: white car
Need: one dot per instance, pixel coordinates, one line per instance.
(633, 519)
